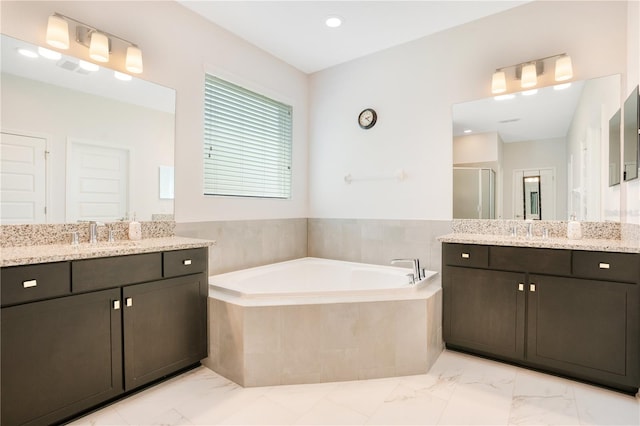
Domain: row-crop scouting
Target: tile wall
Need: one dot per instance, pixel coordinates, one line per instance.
(378, 241)
(244, 244)
(248, 243)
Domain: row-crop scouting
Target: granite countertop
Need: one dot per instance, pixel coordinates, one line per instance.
(27, 255)
(539, 242)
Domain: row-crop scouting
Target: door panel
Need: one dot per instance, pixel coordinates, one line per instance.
(22, 179)
(164, 327)
(60, 356)
(484, 310)
(97, 182)
(583, 327)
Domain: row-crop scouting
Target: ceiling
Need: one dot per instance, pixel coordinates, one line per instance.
(294, 30)
(66, 72)
(544, 115)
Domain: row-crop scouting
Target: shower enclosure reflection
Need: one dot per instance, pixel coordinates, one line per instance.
(474, 193)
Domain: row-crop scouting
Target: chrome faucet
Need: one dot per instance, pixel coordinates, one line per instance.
(93, 231)
(529, 229)
(418, 273)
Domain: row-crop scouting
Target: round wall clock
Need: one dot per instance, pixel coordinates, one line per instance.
(367, 118)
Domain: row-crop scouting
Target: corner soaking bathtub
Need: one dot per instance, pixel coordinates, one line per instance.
(317, 320)
(315, 280)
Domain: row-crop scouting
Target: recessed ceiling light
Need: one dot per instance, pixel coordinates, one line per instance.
(561, 86)
(49, 54)
(27, 53)
(88, 66)
(333, 21)
(467, 131)
(504, 97)
(122, 76)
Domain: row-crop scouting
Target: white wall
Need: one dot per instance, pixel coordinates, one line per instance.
(413, 88)
(177, 47)
(477, 148)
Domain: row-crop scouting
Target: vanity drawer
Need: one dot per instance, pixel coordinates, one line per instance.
(184, 262)
(107, 272)
(470, 255)
(27, 283)
(607, 266)
(526, 259)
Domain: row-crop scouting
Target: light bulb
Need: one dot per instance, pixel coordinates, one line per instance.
(498, 82)
(133, 63)
(99, 47)
(529, 76)
(564, 69)
(58, 32)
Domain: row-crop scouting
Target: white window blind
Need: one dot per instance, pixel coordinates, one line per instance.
(247, 142)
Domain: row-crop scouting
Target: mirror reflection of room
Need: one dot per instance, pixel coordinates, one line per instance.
(557, 133)
(102, 148)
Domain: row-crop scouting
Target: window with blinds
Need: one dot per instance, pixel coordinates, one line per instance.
(247, 142)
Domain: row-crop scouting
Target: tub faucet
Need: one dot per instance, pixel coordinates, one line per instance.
(418, 273)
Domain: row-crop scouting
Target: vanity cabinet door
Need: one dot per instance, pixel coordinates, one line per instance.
(585, 328)
(164, 327)
(484, 311)
(60, 356)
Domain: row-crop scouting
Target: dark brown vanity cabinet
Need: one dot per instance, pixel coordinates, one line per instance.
(85, 332)
(565, 311)
(60, 356)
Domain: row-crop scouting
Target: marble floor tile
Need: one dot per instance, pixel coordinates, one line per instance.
(327, 412)
(300, 398)
(459, 389)
(405, 406)
(542, 399)
(598, 406)
(363, 396)
(262, 411)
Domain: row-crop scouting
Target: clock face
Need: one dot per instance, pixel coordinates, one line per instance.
(367, 118)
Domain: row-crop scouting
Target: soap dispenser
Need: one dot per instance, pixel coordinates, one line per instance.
(135, 229)
(574, 230)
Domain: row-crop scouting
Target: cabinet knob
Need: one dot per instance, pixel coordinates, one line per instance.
(603, 265)
(465, 255)
(186, 262)
(116, 305)
(520, 287)
(29, 283)
(532, 287)
(128, 301)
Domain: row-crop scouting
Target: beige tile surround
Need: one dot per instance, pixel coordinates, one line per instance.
(275, 345)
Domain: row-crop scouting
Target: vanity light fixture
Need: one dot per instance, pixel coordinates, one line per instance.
(58, 32)
(98, 41)
(528, 72)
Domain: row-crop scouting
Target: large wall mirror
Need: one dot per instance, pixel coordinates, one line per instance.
(558, 134)
(631, 135)
(81, 144)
